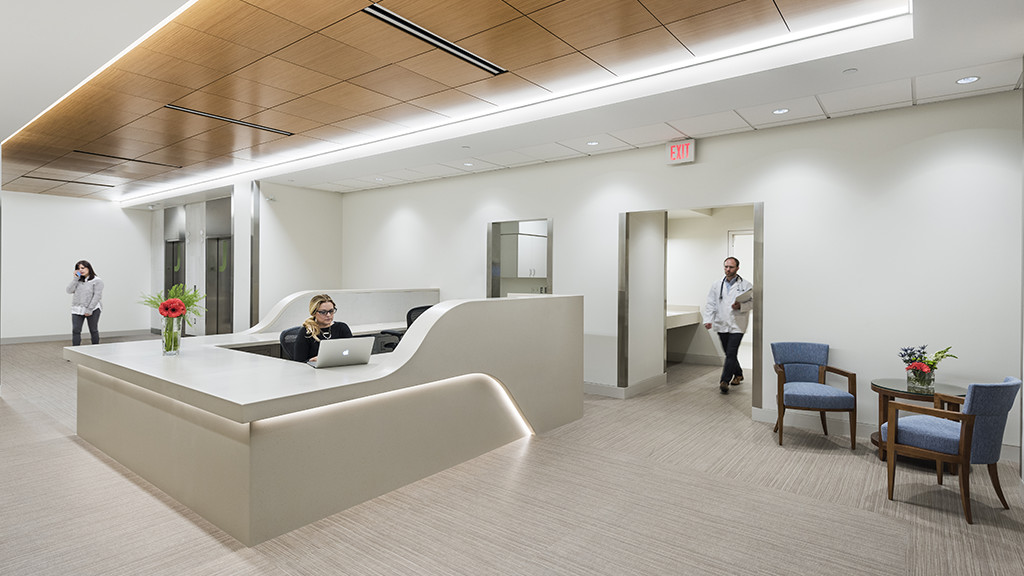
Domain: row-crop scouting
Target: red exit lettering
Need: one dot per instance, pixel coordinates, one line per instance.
(681, 151)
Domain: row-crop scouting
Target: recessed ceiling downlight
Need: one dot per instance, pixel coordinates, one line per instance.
(780, 111)
(968, 80)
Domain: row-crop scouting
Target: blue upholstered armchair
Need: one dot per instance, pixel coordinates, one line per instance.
(801, 367)
(971, 436)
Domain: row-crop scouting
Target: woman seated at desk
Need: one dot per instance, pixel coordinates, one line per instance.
(319, 326)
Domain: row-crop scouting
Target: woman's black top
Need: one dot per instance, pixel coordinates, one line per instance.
(306, 347)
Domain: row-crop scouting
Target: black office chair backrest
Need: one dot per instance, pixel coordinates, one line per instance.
(288, 338)
(413, 314)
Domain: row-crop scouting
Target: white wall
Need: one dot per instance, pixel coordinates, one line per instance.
(41, 238)
(881, 230)
(300, 242)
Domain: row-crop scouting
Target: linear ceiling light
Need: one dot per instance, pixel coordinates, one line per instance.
(232, 120)
(127, 159)
(68, 181)
(429, 37)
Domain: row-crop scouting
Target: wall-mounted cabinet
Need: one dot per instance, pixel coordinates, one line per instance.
(519, 252)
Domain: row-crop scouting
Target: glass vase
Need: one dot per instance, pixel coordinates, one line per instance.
(919, 381)
(170, 335)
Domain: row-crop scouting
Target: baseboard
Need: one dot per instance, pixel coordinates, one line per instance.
(627, 392)
(67, 337)
(701, 359)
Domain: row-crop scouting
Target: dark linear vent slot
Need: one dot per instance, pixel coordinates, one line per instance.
(127, 159)
(226, 119)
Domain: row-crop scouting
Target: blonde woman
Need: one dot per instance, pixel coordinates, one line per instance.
(319, 326)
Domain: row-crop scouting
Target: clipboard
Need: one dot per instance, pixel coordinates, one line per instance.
(745, 296)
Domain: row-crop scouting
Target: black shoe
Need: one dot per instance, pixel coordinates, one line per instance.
(736, 380)
(723, 388)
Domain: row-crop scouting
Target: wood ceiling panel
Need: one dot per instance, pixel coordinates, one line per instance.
(245, 90)
(284, 148)
(352, 97)
(730, 27)
(285, 76)
(454, 104)
(30, 185)
(117, 145)
(370, 126)
(445, 68)
(398, 83)
(121, 81)
(330, 57)
(237, 137)
(336, 134)
(213, 104)
(312, 14)
(372, 36)
(76, 189)
(453, 20)
(528, 6)
(517, 44)
(409, 116)
(655, 48)
(505, 90)
(83, 164)
(567, 73)
(175, 125)
(183, 153)
(282, 121)
(587, 23)
(201, 48)
(316, 110)
(135, 170)
(167, 68)
(668, 11)
(242, 23)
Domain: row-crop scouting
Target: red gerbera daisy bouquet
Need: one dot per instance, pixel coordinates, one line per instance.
(177, 308)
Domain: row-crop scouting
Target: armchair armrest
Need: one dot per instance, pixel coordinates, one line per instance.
(851, 378)
(781, 373)
(966, 421)
(943, 402)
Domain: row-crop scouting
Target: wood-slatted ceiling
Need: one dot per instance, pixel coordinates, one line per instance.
(334, 77)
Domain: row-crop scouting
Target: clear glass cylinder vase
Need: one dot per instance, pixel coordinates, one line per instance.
(920, 380)
(170, 335)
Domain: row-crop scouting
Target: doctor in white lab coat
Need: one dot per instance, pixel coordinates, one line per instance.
(727, 311)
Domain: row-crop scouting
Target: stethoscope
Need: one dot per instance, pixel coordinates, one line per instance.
(721, 288)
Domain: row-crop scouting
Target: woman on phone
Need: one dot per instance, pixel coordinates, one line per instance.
(87, 288)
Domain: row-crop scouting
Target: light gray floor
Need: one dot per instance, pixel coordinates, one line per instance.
(677, 481)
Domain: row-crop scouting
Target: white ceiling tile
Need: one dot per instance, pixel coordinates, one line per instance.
(596, 144)
(800, 109)
(509, 159)
(990, 76)
(711, 124)
(472, 165)
(550, 152)
(887, 95)
(648, 135)
(437, 171)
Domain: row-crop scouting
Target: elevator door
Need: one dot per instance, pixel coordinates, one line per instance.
(174, 264)
(218, 286)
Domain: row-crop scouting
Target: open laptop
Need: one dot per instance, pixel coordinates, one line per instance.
(343, 352)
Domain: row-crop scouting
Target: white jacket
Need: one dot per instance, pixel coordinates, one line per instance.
(718, 309)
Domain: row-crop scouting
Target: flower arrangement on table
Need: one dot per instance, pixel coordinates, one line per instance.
(176, 306)
(920, 366)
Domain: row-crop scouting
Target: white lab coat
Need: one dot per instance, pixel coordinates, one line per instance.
(718, 310)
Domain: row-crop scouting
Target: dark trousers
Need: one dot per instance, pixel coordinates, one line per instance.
(94, 327)
(731, 345)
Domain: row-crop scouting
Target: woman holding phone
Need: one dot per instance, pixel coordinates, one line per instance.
(87, 290)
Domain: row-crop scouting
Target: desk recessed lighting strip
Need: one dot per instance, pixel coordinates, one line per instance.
(226, 119)
(429, 37)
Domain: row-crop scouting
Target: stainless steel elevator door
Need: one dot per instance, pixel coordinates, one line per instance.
(219, 274)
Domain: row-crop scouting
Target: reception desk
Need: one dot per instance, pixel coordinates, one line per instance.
(260, 446)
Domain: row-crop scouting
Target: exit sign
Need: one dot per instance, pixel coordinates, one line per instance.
(681, 151)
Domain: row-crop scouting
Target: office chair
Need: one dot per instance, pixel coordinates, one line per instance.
(288, 338)
(801, 367)
(973, 436)
(410, 317)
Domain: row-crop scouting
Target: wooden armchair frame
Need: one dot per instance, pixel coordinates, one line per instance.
(851, 380)
(961, 461)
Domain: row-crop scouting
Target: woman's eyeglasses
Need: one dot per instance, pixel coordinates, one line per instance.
(327, 312)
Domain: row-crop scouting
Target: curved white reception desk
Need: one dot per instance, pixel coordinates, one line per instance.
(260, 446)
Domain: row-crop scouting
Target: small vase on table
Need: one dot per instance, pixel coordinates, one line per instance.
(921, 381)
(170, 335)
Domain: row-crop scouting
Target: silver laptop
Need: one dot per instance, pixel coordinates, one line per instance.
(343, 352)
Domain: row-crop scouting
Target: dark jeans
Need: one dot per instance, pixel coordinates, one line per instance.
(731, 345)
(94, 327)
